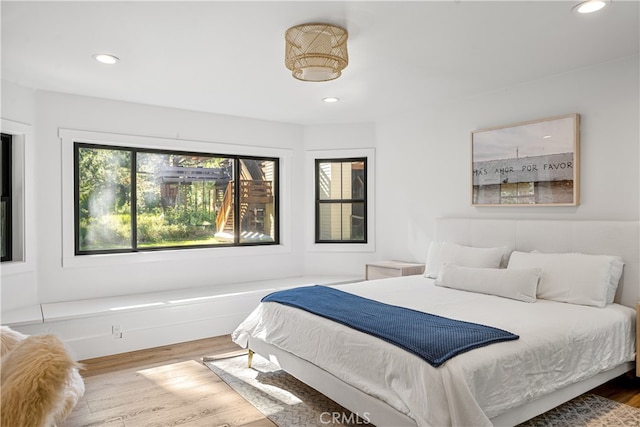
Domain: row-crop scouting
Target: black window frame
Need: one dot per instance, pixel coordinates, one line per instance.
(7, 194)
(362, 200)
(134, 245)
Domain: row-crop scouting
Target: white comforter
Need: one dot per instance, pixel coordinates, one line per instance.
(559, 344)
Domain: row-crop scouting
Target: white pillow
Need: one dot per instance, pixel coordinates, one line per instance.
(434, 260)
(519, 284)
(573, 277)
(615, 273)
(465, 256)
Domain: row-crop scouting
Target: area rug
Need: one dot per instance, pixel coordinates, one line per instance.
(279, 396)
(289, 402)
(588, 410)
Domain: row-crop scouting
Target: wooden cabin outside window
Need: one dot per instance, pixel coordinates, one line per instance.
(133, 199)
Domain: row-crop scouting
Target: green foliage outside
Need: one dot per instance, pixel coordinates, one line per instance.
(113, 232)
(105, 232)
(186, 217)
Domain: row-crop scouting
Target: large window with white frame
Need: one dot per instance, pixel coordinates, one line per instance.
(131, 199)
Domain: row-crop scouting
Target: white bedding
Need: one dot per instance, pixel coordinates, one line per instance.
(559, 344)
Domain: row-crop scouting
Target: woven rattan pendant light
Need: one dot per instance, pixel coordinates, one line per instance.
(316, 52)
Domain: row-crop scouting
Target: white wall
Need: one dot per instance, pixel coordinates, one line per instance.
(18, 282)
(424, 158)
(57, 283)
(338, 141)
(422, 172)
(58, 277)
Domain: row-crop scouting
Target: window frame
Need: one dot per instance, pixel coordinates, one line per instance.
(69, 260)
(319, 201)
(23, 240)
(7, 193)
(237, 242)
(309, 204)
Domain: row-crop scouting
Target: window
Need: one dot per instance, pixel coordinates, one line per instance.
(6, 183)
(341, 200)
(517, 193)
(134, 199)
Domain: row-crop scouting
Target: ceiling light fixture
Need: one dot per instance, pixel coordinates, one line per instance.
(106, 58)
(590, 6)
(331, 99)
(316, 52)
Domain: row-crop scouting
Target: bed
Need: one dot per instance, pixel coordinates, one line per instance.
(563, 350)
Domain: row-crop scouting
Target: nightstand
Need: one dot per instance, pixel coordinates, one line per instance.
(386, 269)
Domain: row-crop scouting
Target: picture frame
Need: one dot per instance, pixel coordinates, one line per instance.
(533, 163)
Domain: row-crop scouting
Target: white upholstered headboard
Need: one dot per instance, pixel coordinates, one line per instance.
(621, 238)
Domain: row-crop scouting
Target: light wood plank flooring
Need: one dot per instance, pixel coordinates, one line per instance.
(169, 386)
(624, 389)
(164, 386)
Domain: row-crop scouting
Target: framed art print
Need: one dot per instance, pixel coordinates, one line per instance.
(525, 164)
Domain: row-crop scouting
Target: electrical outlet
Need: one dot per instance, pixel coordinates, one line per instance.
(116, 331)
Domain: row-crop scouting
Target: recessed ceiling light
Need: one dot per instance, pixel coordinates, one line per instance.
(331, 99)
(590, 6)
(105, 58)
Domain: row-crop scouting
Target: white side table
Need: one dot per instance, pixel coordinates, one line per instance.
(386, 269)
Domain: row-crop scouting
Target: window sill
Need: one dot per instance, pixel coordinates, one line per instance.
(171, 255)
(15, 267)
(341, 247)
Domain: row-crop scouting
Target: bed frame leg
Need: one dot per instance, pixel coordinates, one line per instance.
(250, 359)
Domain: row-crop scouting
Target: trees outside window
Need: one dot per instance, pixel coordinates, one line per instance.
(132, 199)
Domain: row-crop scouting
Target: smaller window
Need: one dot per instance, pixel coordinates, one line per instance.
(341, 200)
(6, 223)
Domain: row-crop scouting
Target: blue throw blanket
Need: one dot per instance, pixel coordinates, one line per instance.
(434, 338)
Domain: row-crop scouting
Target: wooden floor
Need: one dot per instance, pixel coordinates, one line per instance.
(624, 389)
(169, 386)
(164, 386)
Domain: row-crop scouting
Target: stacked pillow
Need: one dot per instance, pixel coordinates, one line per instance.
(464, 256)
(573, 277)
(518, 284)
(565, 277)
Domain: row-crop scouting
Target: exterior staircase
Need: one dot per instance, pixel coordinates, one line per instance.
(252, 193)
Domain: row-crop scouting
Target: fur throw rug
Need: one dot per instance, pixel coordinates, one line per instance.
(39, 381)
(9, 339)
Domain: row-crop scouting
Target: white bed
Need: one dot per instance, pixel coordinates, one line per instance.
(501, 384)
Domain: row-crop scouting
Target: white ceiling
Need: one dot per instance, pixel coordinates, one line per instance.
(228, 57)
